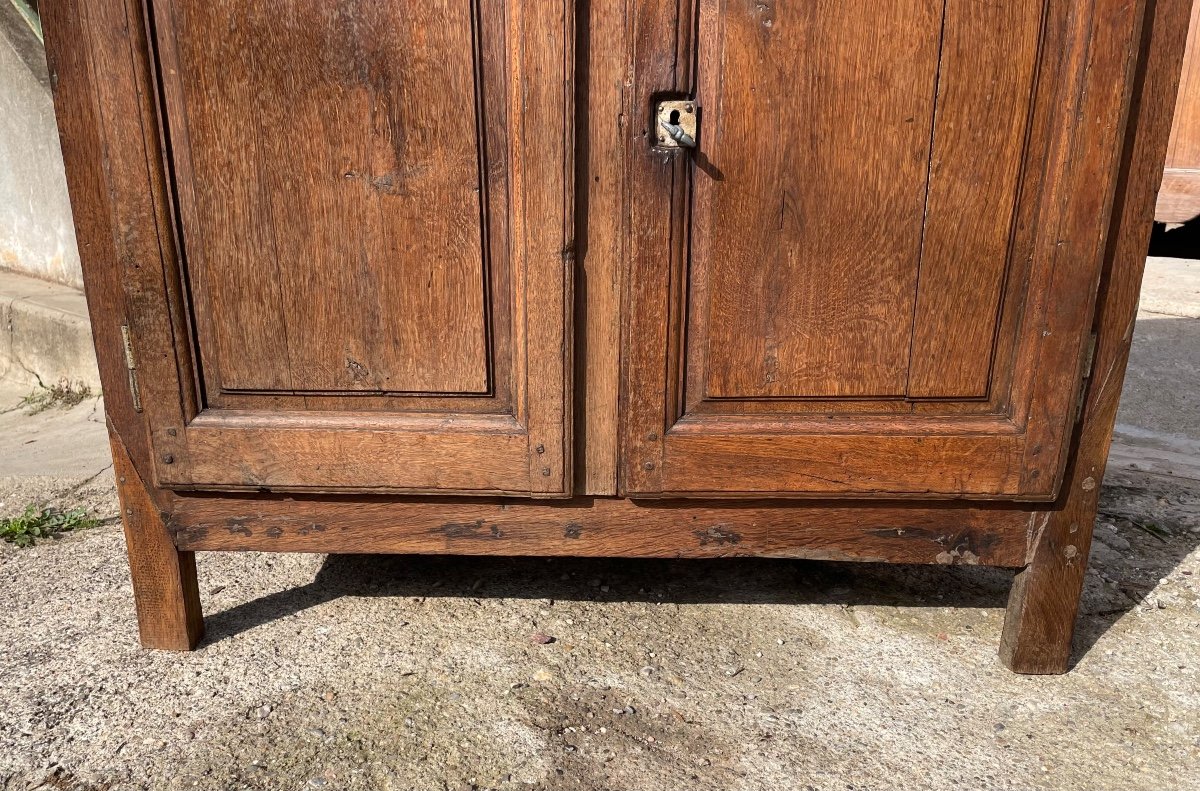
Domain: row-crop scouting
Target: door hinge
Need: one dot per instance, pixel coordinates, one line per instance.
(131, 368)
(1089, 360)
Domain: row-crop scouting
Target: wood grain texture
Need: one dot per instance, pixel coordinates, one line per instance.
(656, 180)
(135, 216)
(1048, 138)
(603, 527)
(931, 466)
(807, 226)
(332, 198)
(164, 579)
(1179, 195)
(81, 132)
(985, 82)
(1040, 620)
(600, 120)
(1069, 257)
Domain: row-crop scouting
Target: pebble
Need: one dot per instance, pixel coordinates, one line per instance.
(542, 674)
(540, 638)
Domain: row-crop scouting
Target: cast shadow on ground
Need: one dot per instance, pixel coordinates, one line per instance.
(1111, 593)
(1121, 580)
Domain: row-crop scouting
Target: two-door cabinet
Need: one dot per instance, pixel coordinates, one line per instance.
(702, 278)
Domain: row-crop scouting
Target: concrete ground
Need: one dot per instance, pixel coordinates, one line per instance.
(353, 672)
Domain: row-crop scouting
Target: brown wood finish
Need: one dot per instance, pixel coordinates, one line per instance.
(1179, 195)
(220, 451)
(596, 527)
(682, 441)
(805, 248)
(314, 262)
(1040, 620)
(601, 229)
(985, 79)
(897, 405)
(165, 590)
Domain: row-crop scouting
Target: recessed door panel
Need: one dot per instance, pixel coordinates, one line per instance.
(806, 247)
(334, 212)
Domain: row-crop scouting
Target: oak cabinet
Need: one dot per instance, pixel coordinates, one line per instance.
(702, 278)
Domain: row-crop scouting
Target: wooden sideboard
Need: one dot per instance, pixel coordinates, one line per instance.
(1179, 197)
(834, 280)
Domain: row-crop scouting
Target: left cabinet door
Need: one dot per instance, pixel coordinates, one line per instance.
(344, 230)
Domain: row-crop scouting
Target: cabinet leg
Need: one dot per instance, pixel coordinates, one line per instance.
(164, 579)
(1040, 620)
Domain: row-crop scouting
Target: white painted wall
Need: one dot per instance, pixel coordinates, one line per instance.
(36, 234)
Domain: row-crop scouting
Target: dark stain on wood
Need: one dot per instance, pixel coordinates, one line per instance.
(274, 532)
(573, 530)
(474, 530)
(717, 535)
(237, 525)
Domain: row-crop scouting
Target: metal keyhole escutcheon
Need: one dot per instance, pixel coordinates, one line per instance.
(677, 124)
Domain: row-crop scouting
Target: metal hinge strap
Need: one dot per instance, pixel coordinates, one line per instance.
(1089, 361)
(131, 367)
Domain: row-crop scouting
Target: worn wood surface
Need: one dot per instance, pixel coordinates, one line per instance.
(1002, 303)
(331, 163)
(985, 81)
(600, 127)
(1040, 619)
(605, 527)
(1016, 363)
(165, 590)
(529, 65)
(805, 247)
(1179, 195)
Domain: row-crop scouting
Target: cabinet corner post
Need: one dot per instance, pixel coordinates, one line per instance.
(165, 589)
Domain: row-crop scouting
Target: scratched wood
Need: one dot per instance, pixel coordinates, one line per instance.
(1097, 126)
(599, 244)
(605, 527)
(806, 246)
(143, 181)
(165, 589)
(1040, 620)
(985, 80)
(1014, 240)
(333, 196)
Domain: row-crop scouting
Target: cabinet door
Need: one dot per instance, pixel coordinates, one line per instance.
(371, 211)
(874, 276)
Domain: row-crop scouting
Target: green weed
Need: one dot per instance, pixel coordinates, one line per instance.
(43, 522)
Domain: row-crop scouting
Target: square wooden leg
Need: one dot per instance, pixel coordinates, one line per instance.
(164, 579)
(1040, 620)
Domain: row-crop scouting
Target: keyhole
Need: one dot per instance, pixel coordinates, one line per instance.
(674, 120)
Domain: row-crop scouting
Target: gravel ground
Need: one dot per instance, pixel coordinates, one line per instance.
(358, 672)
(436, 674)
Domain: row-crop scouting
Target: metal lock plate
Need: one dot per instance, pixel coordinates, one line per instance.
(677, 123)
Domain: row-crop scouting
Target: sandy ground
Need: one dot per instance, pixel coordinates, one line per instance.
(354, 672)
